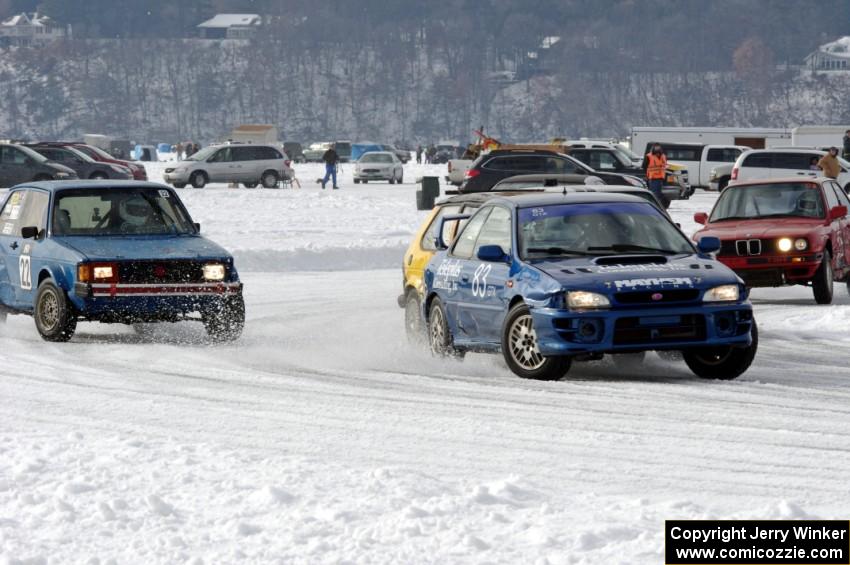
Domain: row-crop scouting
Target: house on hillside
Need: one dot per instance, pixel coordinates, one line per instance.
(26, 30)
(832, 56)
(231, 26)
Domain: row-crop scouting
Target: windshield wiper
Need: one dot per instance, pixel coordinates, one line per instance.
(617, 247)
(558, 251)
(731, 218)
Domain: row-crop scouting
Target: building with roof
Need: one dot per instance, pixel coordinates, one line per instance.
(230, 26)
(25, 30)
(832, 56)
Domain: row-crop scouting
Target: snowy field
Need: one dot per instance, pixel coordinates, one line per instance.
(321, 437)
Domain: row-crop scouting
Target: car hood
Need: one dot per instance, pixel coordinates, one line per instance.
(60, 167)
(112, 248)
(761, 229)
(637, 272)
(374, 165)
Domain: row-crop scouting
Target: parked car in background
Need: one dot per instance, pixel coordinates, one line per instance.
(624, 151)
(378, 165)
(608, 159)
(403, 156)
(19, 164)
(781, 163)
(343, 149)
(700, 158)
(446, 152)
(783, 231)
(456, 169)
(568, 183)
(314, 153)
(139, 172)
(248, 164)
(295, 152)
(82, 164)
(492, 167)
(112, 252)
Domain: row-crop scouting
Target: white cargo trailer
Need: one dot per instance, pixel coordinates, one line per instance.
(756, 138)
(821, 137)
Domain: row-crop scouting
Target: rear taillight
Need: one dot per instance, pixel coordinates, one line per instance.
(471, 174)
(287, 163)
(734, 173)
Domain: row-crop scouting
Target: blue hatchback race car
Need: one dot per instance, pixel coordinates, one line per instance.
(548, 278)
(118, 251)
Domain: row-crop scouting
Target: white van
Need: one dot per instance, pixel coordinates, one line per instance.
(249, 164)
(782, 163)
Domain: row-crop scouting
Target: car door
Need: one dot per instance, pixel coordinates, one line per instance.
(218, 165)
(27, 210)
(461, 267)
(787, 164)
(843, 200)
(9, 216)
(16, 166)
(243, 164)
(716, 156)
(487, 306)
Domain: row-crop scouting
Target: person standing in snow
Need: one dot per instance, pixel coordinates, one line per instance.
(655, 166)
(829, 163)
(331, 158)
(178, 149)
(418, 154)
(847, 144)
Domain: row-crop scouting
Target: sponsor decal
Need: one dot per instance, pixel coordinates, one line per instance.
(7, 229)
(671, 282)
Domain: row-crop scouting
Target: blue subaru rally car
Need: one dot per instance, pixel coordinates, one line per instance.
(115, 252)
(548, 278)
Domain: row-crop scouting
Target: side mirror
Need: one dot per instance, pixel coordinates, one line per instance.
(837, 212)
(197, 227)
(29, 232)
(492, 254)
(701, 218)
(708, 244)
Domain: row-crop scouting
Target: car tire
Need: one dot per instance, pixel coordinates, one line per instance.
(628, 361)
(356, 181)
(54, 316)
(179, 185)
(400, 179)
(249, 184)
(198, 179)
(413, 324)
(822, 283)
(722, 184)
(439, 334)
(269, 179)
(519, 348)
(365, 182)
(724, 363)
(225, 320)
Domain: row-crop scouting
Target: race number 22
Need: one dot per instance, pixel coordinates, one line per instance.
(25, 268)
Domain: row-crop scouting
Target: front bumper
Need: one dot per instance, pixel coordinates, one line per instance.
(127, 302)
(176, 176)
(565, 332)
(774, 270)
(381, 175)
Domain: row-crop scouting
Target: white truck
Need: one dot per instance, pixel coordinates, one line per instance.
(457, 170)
(755, 138)
(700, 159)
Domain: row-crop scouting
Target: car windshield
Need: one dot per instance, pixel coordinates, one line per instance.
(626, 152)
(35, 155)
(98, 151)
(119, 211)
(203, 153)
(376, 158)
(597, 229)
(798, 199)
(79, 154)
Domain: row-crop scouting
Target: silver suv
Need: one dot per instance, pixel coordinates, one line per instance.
(249, 164)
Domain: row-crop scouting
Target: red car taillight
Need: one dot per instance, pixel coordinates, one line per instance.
(471, 174)
(734, 173)
(287, 163)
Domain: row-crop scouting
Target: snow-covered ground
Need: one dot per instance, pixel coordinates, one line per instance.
(321, 437)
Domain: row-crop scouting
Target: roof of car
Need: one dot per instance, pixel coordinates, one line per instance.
(54, 185)
(781, 180)
(527, 200)
(787, 150)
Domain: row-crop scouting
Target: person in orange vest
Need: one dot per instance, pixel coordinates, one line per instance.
(655, 165)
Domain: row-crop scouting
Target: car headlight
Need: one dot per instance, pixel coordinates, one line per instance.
(722, 293)
(801, 244)
(583, 300)
(784, 244)
(214, 272)
(712, 175)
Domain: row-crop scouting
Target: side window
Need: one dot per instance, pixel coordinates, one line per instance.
(605, 161)
(12, 156)
(496, 230)
(35, 210)
(10, 216)
(520, 163)
(723, 155)
(221, 156)
(682, 152)
(242, 154)
(797, 161)
(561, 166)
(760, 160)
(465, 243)
(843, 199)
(269, 153)
(429, 240)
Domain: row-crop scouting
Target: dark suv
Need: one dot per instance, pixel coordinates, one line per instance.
(19, 164)
(82, 164)
(489, 169)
